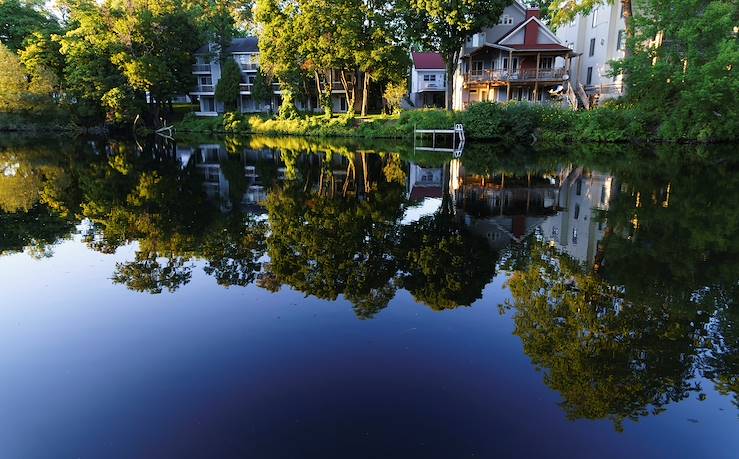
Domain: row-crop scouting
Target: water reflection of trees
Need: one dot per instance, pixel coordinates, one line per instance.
(619, 338)
(623, 338)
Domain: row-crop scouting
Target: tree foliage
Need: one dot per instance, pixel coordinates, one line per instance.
(227, 89)
(684, 67)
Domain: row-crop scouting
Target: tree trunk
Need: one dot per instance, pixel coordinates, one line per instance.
(365, 93)
(350, 95)
(628, 15)
(451, 64)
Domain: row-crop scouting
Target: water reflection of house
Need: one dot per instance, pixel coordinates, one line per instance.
(425, 182)
(503, 208)
(260, 168)
(578, 229)
(208, 160)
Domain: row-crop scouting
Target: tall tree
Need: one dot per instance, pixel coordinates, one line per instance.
(19, 19)
(277, 48)
(227, 89)
(445, 25)
(684, 67)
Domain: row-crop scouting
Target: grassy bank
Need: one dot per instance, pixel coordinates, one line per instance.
(483, 121)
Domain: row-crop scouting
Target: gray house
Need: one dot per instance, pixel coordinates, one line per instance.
(245, 51)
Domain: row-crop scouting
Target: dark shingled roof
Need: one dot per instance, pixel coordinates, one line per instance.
(238, 45)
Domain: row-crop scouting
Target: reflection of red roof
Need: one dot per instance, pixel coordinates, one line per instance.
(422, 192)
(428, 61)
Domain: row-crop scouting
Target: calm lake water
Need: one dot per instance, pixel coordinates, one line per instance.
(286, 298)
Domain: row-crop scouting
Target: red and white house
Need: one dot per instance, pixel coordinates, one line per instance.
(517, 59)
(428, 80)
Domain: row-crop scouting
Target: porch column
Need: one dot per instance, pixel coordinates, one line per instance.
(536, 81)
(510, 71)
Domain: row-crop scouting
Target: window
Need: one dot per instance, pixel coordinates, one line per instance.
(546, 63)
(342, 104)
(515, 64)
(603, 194)
(595, 17)
(591, 52)
(429, 78)
(589, 79)
(621, 41)
(574, 235)
(477, 67)
(505, 20)
(577, 211)
(578, 187)
(206, 80)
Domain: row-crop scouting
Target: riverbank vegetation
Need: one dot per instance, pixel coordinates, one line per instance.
(124, 64)
(520, 122)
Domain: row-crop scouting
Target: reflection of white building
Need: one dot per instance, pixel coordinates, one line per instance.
(425, 182)
(578, 229)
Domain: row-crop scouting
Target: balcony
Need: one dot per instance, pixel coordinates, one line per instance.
(204, 88)
(489, 76)
(201, 68)
(431, 86)
(248, 66)
(246, 87)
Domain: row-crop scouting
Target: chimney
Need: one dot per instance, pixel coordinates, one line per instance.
(531, 32)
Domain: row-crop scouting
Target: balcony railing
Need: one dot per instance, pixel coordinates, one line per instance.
(517, 75)
(200, 68)
(431, 85)
(204, 88)
(246, 87)
(249, 66)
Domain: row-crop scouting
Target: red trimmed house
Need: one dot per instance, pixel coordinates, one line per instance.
(428, 80)
(517, 59)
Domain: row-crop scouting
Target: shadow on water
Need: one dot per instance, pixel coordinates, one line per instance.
(622, 261)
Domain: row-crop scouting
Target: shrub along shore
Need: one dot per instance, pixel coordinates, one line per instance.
(522, 122)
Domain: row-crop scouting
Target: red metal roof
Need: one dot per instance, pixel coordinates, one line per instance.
(428, 61)
(421, 192)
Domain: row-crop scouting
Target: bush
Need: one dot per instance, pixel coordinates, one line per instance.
(483, 121)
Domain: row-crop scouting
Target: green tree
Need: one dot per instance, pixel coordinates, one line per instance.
(41, 56)
(278, 45)
(444, 26)
(13, 83)
(261, 91)
(227, 89)
(20, 19)
(683, 67)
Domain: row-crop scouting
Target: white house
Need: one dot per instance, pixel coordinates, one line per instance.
(428, 80)
(597, 38)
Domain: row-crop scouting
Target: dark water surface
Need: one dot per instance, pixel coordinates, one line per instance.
(284, 298)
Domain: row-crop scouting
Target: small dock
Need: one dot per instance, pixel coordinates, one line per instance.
(442, 140)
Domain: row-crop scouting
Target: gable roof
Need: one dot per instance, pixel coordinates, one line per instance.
(238, 45)
(542, 29)
(428, 61)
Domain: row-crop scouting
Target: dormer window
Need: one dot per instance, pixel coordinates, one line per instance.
(506, 19)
